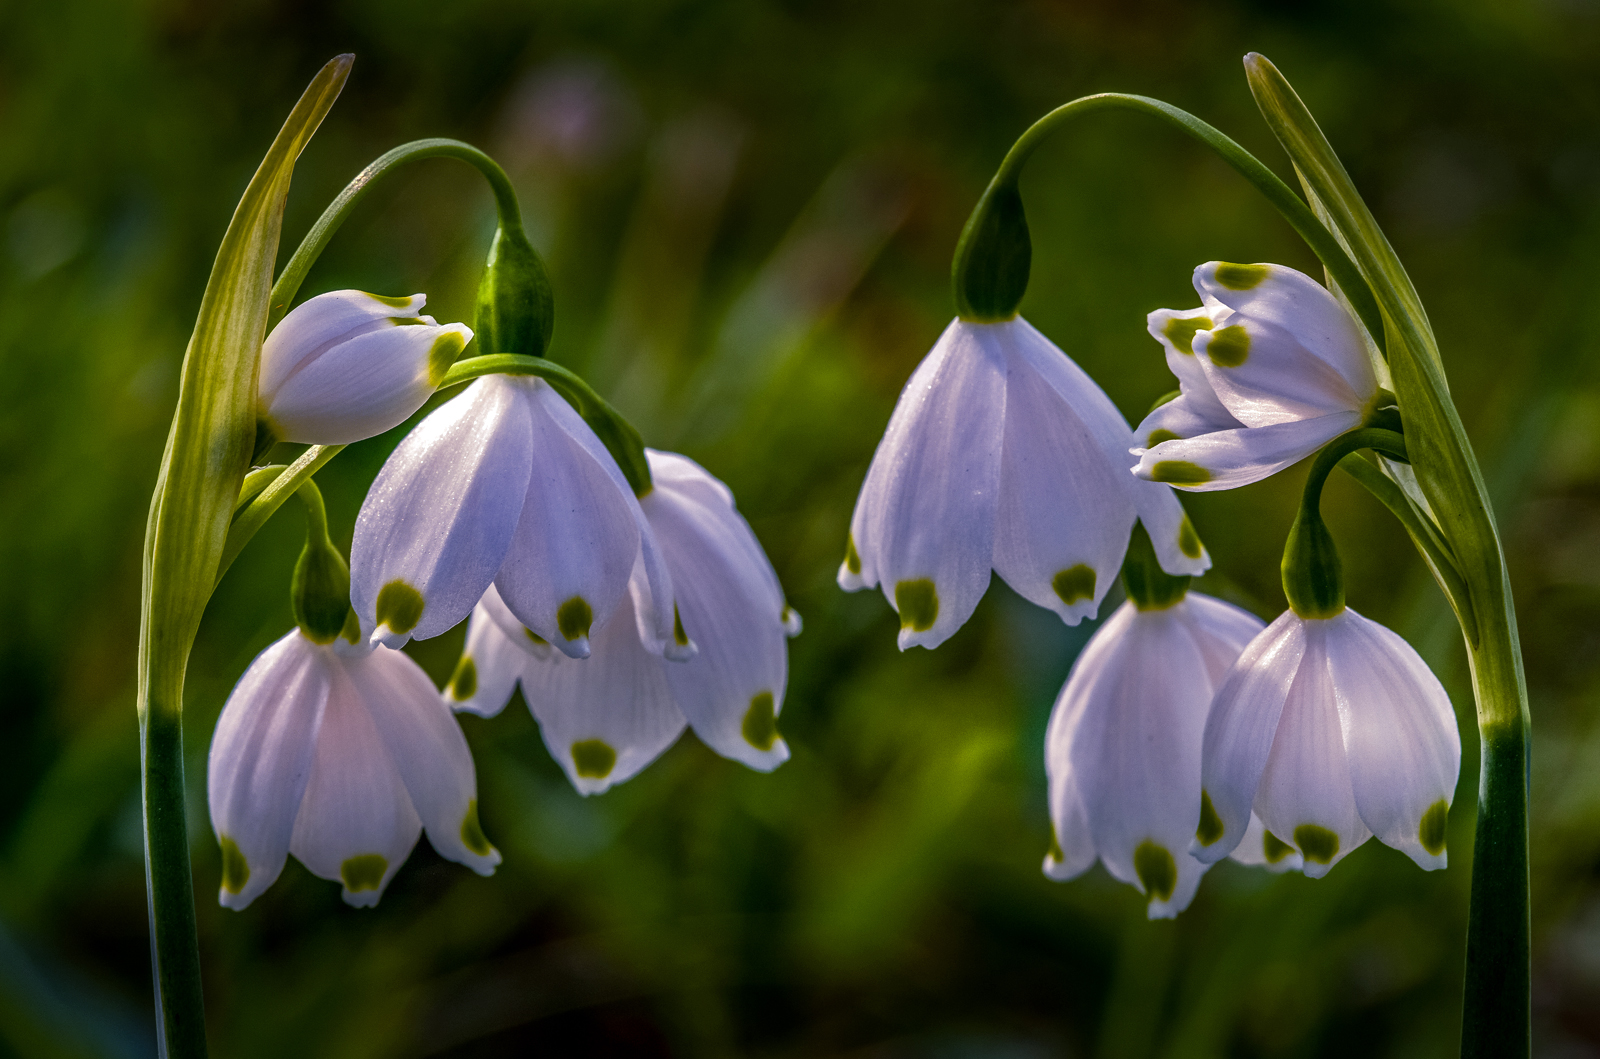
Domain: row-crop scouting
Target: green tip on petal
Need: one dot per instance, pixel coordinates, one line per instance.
(1273, 847)
(1158, 436)
(1074, 583)
(1210, 828)
(464, 683)
(1240, 277)
(443, 355)
(593, 758)
(399, 606)
(235, 869)
(1157, 871)
(363, 872)
(852, 558)
(1180, 332)
(574, 617)
(1179, 472)
(679, 637)
(1316, 844)
(472, 835)
(1432, 829)
(1229, 347)
(760, 727)
(918, 604)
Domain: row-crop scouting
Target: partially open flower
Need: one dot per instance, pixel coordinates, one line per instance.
(608, 717)
(1003, 455)
(504, 485)
(1270, 369)
(1331, 730)
(1123, 747)
(342, 756)
(347, 365)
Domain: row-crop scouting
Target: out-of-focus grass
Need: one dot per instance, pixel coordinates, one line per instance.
(748, 208)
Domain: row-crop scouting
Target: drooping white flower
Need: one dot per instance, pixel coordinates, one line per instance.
(1331, 730)
(347, 365)
(340, 755)
(608, 717)
(1123, 747)
(505, 485)
(1270, 368)
(1002, 454)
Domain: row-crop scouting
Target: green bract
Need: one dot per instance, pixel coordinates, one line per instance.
(516, 312)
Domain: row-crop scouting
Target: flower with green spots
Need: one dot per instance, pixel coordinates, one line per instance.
(1331, 730)
(347, 365)
(1003, 455)
(1270, 368)
(504, 485)
(341, 755)
(608, 717)
(1123, 747)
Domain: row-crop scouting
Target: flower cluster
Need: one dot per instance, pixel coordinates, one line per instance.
(1188, 730)
(625, 618)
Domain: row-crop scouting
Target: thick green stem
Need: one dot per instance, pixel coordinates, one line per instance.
(990, 271)
(294, 273)
(169, 880)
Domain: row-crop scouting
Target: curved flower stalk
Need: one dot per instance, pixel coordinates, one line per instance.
(1002, 454)
(609, 716)
(1122, 750)
(340, 754)
(505, 485)
(347, 365)
(1331, 730)
(1270, 368)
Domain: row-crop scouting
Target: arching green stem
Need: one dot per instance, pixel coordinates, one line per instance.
(311, 247)
(990, 271)
(619, 436)
(265, 490)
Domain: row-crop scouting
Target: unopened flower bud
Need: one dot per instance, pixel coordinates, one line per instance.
(348, 365)
(516, 312)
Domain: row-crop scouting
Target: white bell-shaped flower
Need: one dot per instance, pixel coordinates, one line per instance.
(608, 717)
(1270, 368)
(340, 755)
(1331, 730)
(1123, 747)
(1002, 454)
(505, 485)
(347, 365)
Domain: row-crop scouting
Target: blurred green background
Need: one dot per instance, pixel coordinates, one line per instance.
(748, 207)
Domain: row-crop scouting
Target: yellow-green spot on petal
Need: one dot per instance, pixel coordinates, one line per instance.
(1273, 847)
(1229, 347)
(593, 758)
(446, 348)
(352, 626)
(573, 619)
(406, 321)
(393, 303)
(1433, 826)
(1055, 852)
(235, 869)
(1210, 828)
(399, 606)
(1157, 871)
(1074, 583)
(472, 835)
(1316, 843)
(1180, 331)
(1240, 277)
(535, 637)
(918, 604)
(363, 872)
(1158, 436)
(760, 727)
(1179, 472)
(1188, 539)
(464, 684)
(852, 558)
(679, 637)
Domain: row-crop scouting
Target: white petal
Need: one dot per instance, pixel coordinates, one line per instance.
(260, 761)
(1179, 418)
(439, 517)
(1260, 848)
(356, 823)
(1175, 330)
(317, 323)
(365, 385)
(609, 716)
(1400, 734)
(1220, 630)
(426, 745)
(1305, 310)
(1136, 752)
(1178, 547)
(1072, 852)
(1263, 376)
(1305, 797)
(578, 537)
(923, 527)
(732, 690)
(1065, 510)
(1240, 728)
(491, 663)
(1229, 459)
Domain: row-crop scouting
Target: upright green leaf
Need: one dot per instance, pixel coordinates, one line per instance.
(207, 454)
